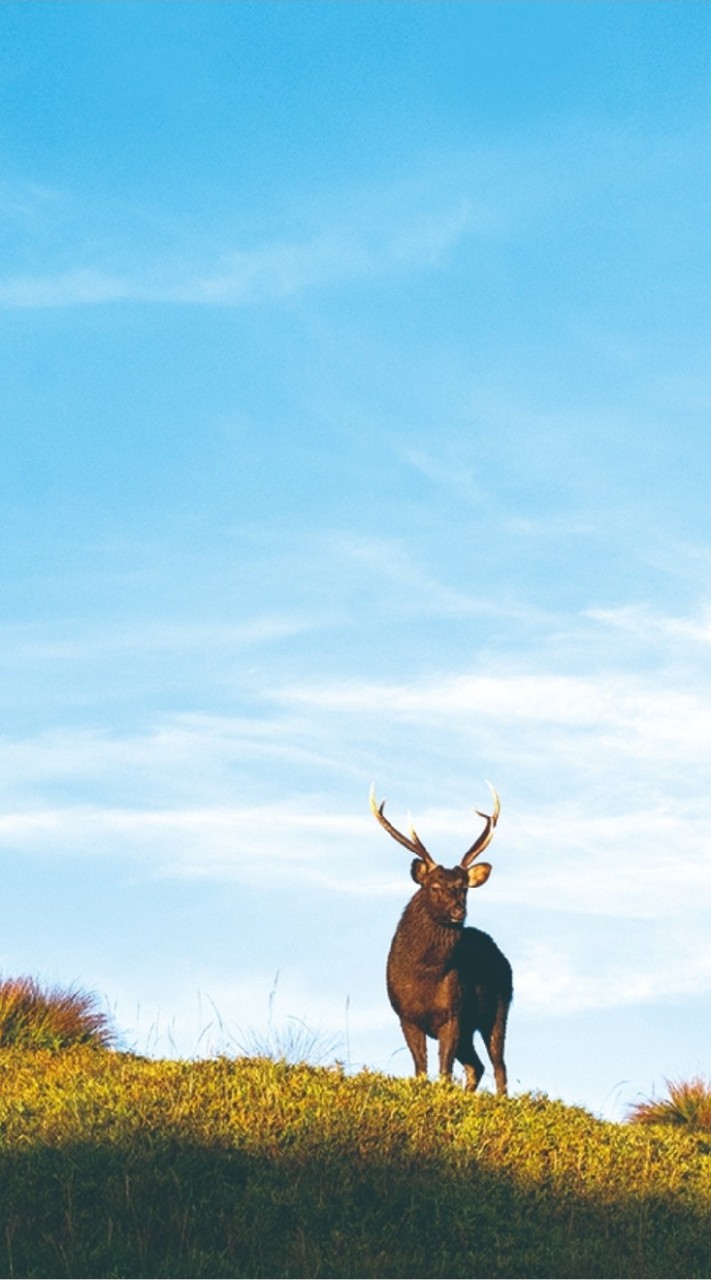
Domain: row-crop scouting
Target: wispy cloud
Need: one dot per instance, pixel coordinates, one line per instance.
(390, 563)
(270, 272)
(648, 625)
(629, 715)
(23, 642)
(84, 286)
(224, 842)
(558, 977)
(603, 811)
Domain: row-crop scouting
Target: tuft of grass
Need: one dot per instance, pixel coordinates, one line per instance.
(34, 1017)
(296, 1044)
(688, 1103)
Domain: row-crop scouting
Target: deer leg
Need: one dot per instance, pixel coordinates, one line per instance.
(417, 1044)
(495, 1047)
(448, 1038)
(470, 1060)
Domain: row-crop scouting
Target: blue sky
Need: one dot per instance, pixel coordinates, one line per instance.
(356, 404)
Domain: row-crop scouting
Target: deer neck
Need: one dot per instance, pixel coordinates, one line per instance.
(428, 940)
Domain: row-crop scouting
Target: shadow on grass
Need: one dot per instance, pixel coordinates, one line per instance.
(164, 1208)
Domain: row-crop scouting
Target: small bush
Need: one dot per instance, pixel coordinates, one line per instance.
(688, 1103)
(55, 1018)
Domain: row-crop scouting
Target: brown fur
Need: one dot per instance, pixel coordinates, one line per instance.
(447, 981)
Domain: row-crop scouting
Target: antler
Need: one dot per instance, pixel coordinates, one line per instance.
(413, 843)
(487, 834)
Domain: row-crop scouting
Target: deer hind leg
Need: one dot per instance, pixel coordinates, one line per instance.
(495, 1046)
(470, 1060)
(417, 1044)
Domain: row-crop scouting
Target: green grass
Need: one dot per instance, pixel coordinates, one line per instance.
(112, 1165)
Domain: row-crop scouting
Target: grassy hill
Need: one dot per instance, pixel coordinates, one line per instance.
(111, 1165)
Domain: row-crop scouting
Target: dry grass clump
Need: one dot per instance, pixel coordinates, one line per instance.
(33, 1017)
(688, 1103)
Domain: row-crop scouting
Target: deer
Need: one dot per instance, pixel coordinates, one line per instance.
(445, 980)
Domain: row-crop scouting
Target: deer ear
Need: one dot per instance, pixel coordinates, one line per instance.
(478, 874)
(418, 870)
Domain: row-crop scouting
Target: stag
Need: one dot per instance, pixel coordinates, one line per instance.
(446, 981)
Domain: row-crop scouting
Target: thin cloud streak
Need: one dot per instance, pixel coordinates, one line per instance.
(644, 623)
(553, 980)
(389, 562)
(633, 714)
(272, 272)
(591, 867)
(671, 960)
(23, 643)
(643, 858)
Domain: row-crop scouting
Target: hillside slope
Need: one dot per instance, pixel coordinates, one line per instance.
(115, 1166)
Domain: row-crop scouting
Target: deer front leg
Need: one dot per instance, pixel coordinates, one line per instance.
(448, 1040)
(417, 1044)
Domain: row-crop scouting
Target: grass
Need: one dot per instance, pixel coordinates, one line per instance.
(35, 1017)
(688, 1103)
(112, 1165)
(296, 1043)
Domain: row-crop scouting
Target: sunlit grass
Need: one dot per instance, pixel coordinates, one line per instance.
(113, 1165)
(688, 1103)
(37, 1017)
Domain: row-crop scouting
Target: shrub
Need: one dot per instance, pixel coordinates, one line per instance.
(53, 1018)
(688, 1103)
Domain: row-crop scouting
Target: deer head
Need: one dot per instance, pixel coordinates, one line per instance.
(445, 890)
